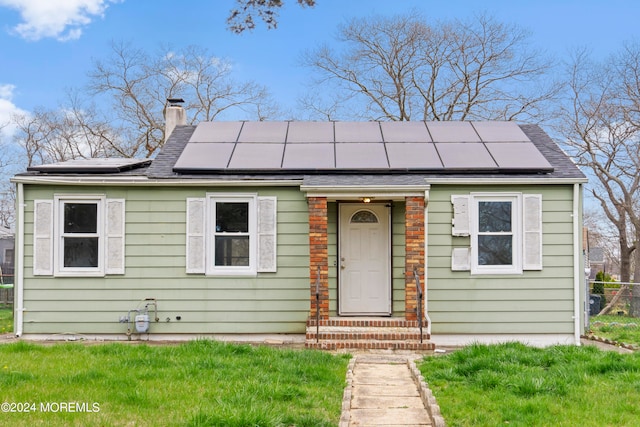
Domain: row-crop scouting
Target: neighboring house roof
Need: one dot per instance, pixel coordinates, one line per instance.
(5, 233)
(347, 153)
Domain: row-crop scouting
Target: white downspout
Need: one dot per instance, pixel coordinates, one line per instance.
(19, 271)
(426, 257)
(577, 254)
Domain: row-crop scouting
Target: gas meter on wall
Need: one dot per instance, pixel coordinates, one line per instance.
(142, 323)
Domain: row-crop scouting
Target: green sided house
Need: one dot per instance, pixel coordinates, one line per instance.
(337, 234)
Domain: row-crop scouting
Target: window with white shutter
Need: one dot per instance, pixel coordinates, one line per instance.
(532, 229)
(43, 238)
(231, 234)
(79, 235)
(195, 235)
(461, 219)
(114, 235)
(505, 232)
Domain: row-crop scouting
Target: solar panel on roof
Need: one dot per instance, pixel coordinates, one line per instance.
(413, 156)
(257, 156)
(360, 146)
(405, 132)
(464, 155)
(106, 165)
(500, 132)
(358, 132)
(452, 132)
(216, 132)
(263, 132)
(359, 155)
(205, 155)
(310, 132)
(517, 155)
(309, 156)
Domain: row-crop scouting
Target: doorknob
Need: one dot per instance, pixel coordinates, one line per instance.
(342, 264)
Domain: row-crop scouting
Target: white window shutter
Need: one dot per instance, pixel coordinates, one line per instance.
(461, 217)
(115, 237)
(532, 228)
(196, 252)
(461, 259)
(267, 220)
(43, 238)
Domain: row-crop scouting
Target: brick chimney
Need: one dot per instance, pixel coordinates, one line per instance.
(174, 115)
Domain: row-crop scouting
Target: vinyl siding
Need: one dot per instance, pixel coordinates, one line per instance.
(155, 268)
(534, 302)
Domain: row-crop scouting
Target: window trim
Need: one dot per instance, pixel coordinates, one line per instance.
(58, 248)
(516, 233)
(210, 268)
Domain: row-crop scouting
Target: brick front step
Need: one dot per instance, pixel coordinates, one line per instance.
(387, 322)
(371, 345)
(367, 333)
(377, 335)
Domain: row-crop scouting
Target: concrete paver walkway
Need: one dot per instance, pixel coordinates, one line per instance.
(384, 393)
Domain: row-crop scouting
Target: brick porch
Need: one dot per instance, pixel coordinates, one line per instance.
(398, 332)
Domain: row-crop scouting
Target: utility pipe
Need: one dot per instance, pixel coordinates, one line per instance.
(19, 259)
(577, 253)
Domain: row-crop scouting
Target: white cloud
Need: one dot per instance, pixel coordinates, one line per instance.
(7, 110)
(60, 19)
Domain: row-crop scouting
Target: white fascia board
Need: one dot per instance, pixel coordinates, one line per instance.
(502, 181)
(355, 192)
(146, 182)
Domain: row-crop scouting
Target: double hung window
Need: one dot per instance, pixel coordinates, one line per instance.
(78, 235)
(233, 231)
(231, 234)
(503, 233)
(495, 235)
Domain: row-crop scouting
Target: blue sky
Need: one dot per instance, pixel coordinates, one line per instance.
(47, 46)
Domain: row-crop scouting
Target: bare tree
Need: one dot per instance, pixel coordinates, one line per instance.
(603, 235)
(137, 84)
(9, 164)
(70, 132)
(241, 18)
(598, 126)
(406, 68)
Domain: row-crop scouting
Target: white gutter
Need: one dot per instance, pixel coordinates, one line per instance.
(146, 182)
(426, 264)
(19, 271)
(577, 274)
(502, 180)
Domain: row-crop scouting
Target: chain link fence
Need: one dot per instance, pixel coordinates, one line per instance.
(614, 310)
(6, 284)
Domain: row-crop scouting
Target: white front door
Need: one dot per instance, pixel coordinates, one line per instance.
(365, 260)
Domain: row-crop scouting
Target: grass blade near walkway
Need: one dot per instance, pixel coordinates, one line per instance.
(512, 384)
(6, 320)
(200, 383)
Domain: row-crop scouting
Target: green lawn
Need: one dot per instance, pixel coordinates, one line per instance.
(200, 383)
(6, 320)
(620, 329)
(515, 385)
